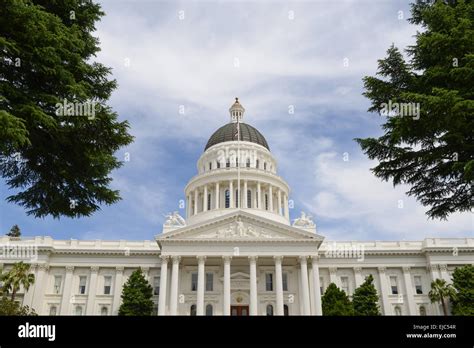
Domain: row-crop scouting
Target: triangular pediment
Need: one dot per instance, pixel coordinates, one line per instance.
(240, 226)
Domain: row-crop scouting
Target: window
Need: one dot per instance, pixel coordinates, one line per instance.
(192, 310)
(208, 201)
(257, 164)
(422, 310)
(210, 165)
(104, 311)
(393, 285)
(227, 164)
(285, 281)
(256, 200)
(321, 287)
(156, 285)
(53, 310)
(57, 284)
(218, 164)
(266, 201)
(398, 310)
(209, 310)
(236, 162)
(227, 199)
(286, 310)
(194, 281)
(78, 310)
(345, 284)
(269, 309)
(209, 281)
(269, 281)
(107, 285)
(82, 284)
(249, 199)
(418, 287)
(248, 162)
(237, 198)
(264, 165)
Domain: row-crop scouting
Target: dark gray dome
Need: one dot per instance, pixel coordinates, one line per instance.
(229, 133)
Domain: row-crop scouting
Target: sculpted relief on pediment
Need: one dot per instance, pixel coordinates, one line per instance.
(239, 229)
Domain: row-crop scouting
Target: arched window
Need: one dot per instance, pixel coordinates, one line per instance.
(422, 310)
(286, 310)
(53, 310)
(227, 199)
(266, 202)
(249, 199)
(269, 309)
(248, 162)
(104, 311)
(209, 310)
(208, 201)
(192, 311)
(78, 310)
(398, 310)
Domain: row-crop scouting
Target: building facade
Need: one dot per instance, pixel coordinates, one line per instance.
(235, 252)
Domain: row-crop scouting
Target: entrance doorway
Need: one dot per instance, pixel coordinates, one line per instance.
(239, 311)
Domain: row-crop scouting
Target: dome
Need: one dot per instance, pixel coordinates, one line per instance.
(229, 133)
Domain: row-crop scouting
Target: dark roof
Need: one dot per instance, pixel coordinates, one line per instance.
(229, 133)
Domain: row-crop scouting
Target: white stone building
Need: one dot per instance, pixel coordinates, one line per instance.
(234, 254)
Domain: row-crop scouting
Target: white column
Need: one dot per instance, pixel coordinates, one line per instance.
(66, 299)
(285, 202)
(226, 309)
(253, 285)
(200, 285)
(39, 288)
(245, 195)
(409, 291)
(358, 276)
(117, 289)
(316, 286)
(270, 198)
(333, 276)
(174, 286)
(231, 194)
(217, 195)
(205, 198)
(384, 291)
(279, 202)
(443, 268)
(259, 195)
(305, 285)
(92, 291)
(279, 285)
(188, 206)
(195, 201)
(28, 297)
(163, 285)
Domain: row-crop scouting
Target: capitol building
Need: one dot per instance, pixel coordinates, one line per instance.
(235, 250)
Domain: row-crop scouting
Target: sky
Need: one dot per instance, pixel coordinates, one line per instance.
(179, 66)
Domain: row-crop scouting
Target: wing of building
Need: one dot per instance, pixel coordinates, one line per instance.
(235, 252)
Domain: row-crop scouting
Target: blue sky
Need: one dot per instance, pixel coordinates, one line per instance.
(168, 55)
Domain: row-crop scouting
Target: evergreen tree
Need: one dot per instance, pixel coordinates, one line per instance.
(430, 148)
(365, 299)
(336, 302)
(136, 296)
(463, 282)
(14, 231)
(57, 159)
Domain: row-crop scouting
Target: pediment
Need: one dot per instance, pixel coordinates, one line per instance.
(240, 226)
